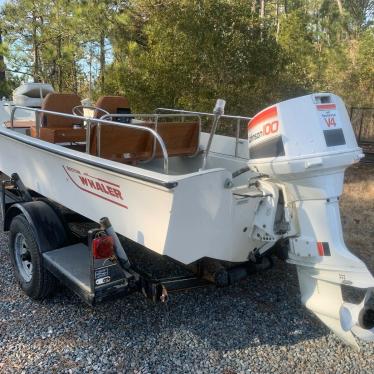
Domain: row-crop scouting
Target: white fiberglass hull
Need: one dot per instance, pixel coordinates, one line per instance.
(186, 217)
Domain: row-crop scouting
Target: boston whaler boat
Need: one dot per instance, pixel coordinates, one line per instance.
(219, 205)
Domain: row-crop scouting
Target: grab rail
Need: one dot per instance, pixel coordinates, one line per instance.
(99, 121)
(238, 119)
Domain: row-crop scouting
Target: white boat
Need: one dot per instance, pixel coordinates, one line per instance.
(193, 196)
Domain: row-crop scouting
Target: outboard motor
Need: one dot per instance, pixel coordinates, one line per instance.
(304, 146)
(31, 94)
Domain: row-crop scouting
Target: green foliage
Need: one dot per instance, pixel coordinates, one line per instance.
(194, 54)
(186, 53)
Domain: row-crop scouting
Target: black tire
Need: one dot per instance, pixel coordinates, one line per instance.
(41, 282)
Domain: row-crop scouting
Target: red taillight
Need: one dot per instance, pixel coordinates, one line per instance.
(103, 247)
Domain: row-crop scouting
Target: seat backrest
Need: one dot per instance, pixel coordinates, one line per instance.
(62, 103)
(127, 145)
(122, 144)
(113, 105)
(180, 138)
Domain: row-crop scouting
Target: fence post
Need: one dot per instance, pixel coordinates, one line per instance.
(351, 113)
(360, 129)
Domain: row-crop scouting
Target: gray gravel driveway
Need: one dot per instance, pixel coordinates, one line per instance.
(257, 326)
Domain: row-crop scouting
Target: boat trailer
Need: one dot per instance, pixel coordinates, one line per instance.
(94, 266)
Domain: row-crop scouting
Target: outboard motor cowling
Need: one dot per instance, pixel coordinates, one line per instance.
(303, 134)
(304, 145)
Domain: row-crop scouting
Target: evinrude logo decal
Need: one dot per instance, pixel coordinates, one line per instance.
(98, 187)
(263, 124)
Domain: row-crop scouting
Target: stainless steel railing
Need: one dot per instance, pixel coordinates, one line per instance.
(89, 121)
(76, 110)
(239, 121)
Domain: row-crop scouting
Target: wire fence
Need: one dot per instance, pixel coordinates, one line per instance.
(363, 124)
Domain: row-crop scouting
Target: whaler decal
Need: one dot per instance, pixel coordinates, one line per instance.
(98, 187)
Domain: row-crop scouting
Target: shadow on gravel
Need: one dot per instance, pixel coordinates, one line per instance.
(264, 310)
(217, 327)
(216, 323)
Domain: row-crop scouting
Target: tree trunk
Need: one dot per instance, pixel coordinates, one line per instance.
(59, 64)
(340, 6)
(102, 62)
(35, 46)
(262, 8)
(2, 65)
(75, 77)
(90, 74)
(254, 6)
(277, 17)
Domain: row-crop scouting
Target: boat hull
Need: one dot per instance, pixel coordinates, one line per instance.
(186, 217)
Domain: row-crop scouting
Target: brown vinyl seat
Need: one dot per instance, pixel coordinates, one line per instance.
(58, 129)
(180, 138)
(128, 145)
(113, 105)
(122, 144)
(131, 145)
(118, 143)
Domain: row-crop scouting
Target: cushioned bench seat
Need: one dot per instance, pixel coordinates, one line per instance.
(63, 135)
(58, 129)
(131, 145)
(180, 138)
(121, 144)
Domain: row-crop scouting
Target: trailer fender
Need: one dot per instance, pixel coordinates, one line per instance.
(47, 226)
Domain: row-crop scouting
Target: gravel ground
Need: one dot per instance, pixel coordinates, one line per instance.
(257, 326)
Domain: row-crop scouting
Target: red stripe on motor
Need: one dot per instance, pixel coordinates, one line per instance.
(320, 248)
(326, 106)
(262, 116)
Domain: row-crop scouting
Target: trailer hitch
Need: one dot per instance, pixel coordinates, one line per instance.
(156, 292)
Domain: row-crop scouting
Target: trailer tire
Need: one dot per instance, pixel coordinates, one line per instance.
(34, 279)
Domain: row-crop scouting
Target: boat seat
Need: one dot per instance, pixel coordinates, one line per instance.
(180, 138)
(57, 129)
(128, 145)
(122, 144)
(114, 105)
(63, 135)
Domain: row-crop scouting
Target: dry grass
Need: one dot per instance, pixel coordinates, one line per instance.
(357, 212)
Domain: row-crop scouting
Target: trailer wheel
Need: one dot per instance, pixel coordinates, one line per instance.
(27, 261)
